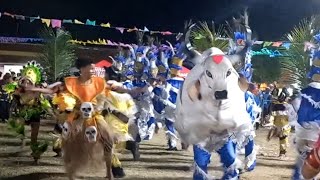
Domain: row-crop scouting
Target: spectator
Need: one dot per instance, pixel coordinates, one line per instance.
(5, 99)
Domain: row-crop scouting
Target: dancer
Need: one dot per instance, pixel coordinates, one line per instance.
(86, 89)
(308, 127)
(281, 127)
(32, 106)
(175, 83)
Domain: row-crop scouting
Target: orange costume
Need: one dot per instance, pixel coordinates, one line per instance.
(83, 101)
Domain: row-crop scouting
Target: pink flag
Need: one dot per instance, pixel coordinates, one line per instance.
(277, 44)
(121, 29)
(56, 23)
(166, 33)
(109, 42)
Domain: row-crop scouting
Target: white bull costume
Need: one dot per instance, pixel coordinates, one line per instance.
(210, 109)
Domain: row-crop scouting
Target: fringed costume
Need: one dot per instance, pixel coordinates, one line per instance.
(281, 127)
(308, 126)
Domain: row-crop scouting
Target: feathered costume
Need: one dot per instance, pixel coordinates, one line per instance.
(31, 106)
(308, 126)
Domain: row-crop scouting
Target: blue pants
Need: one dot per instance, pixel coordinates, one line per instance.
(171, 133)
(227, 157)
(250, 155)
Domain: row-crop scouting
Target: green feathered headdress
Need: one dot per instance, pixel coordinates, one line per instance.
(33, 71)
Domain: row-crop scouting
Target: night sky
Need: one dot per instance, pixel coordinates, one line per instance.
(269, 19)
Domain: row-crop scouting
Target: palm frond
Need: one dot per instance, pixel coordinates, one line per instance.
(295, 67)
(58, 54)
(203, 37)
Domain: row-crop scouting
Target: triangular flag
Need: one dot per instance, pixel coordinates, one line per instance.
(105, 25)
(56, 23)
(34, 18)
(166, 33)
(266, 44)
(121, 29)
(46, 21)
(109, 43)
(78, 22)
(67, 21)
(146, 29)
(131, 30)
(8, 14)
(258, 42)
(91, 23)
(277, 44)
(20, 17)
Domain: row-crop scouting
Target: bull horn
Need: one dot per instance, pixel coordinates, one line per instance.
(188, 43)
(113, 61)
(239, 57)
(171, 47)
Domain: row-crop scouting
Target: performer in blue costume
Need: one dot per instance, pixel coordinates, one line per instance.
(308, 126)
(249, 145)
(226, 144)
(173, 84)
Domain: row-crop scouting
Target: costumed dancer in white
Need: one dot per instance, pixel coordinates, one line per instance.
(211, 107)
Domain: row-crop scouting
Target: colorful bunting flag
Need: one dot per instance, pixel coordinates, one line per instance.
(145, 29)
(56, 23)
(105, 25)
(121, 29)
(166, 33)
(45, 21)
(266, 43)
(67, 21)
(132, 30)
(78, 22)
(33, 18)
(20, 17)
(90, 23)
(277, 44)
(8, 14)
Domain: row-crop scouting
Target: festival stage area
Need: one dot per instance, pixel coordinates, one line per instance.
(156, 163)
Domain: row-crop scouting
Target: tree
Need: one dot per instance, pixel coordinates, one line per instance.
(295, 67)
(58, 54)
(203, 38)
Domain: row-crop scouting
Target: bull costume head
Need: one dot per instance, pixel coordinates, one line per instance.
(218, 72)
(213, 91)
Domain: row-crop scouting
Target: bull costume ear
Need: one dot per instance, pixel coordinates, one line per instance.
(243, 83)
(194, 91)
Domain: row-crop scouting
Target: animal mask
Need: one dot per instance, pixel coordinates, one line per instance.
(218, 77)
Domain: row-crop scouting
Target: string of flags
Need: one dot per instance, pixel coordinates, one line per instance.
(57, 23)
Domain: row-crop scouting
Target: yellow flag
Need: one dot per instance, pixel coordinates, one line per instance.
(105, 25)
(78, 22)
(46, 21)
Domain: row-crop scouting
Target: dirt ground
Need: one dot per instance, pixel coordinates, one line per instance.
(156, 163)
